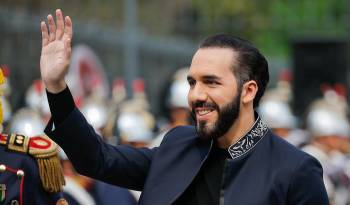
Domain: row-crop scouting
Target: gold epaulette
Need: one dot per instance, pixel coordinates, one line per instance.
(45, 151)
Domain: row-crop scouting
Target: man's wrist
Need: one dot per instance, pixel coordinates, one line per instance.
(61, 105)
(55, 88)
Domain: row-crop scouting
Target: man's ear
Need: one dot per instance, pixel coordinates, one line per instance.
(249, 90)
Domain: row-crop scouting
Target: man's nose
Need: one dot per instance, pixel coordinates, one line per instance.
(198, 94)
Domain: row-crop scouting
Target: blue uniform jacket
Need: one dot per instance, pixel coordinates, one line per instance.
(263, 170)
(33, 192)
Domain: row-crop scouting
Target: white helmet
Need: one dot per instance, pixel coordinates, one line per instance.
(26, 122)
(323, 122)
(36, 98)
(178, 94)
(179, 89)
(95, 112)
(327, 116)
(134, 126)
(277, 114)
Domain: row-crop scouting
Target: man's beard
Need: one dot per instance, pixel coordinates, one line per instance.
(227, 115)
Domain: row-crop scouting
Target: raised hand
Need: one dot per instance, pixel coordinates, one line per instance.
(56, 51)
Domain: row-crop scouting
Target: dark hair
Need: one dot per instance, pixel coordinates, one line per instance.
(252, 65)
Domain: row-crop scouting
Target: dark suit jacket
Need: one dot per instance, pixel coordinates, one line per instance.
(263, 169)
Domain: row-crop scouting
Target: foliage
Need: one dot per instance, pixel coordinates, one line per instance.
(271, 24)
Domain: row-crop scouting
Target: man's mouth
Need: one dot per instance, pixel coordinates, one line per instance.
(204, 111)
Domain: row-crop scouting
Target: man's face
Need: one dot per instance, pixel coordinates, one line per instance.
(213, 98)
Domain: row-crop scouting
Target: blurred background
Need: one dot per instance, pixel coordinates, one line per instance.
(139, 38)
(128, 57)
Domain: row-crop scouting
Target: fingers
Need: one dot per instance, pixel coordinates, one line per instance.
(68, 31)
(44, 33)
(60, 24)
(52, 28)
(64, 28)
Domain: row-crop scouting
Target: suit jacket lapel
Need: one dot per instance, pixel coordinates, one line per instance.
(174, 167)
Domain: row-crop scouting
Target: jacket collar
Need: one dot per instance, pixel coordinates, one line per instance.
(249, 140)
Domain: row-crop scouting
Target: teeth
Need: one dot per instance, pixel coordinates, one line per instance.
(203, 112)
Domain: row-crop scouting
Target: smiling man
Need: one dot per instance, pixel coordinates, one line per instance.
(215, 92)
(229, 157)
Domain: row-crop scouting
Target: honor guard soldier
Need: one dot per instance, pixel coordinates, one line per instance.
(329, 128)
(30, 172)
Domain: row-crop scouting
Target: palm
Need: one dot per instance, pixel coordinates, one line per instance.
(56, 49)
(53, 61)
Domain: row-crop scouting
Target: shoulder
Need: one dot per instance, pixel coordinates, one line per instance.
(36, 155)
(15, 157)
(283, 150)
(302, 172)
(14, 165)
(33, 158)
(307, 183)
(285, 156)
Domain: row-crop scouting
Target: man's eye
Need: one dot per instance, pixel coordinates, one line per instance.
(191, 82)
(211, 82)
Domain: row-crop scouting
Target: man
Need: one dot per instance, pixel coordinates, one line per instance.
(229, 157)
